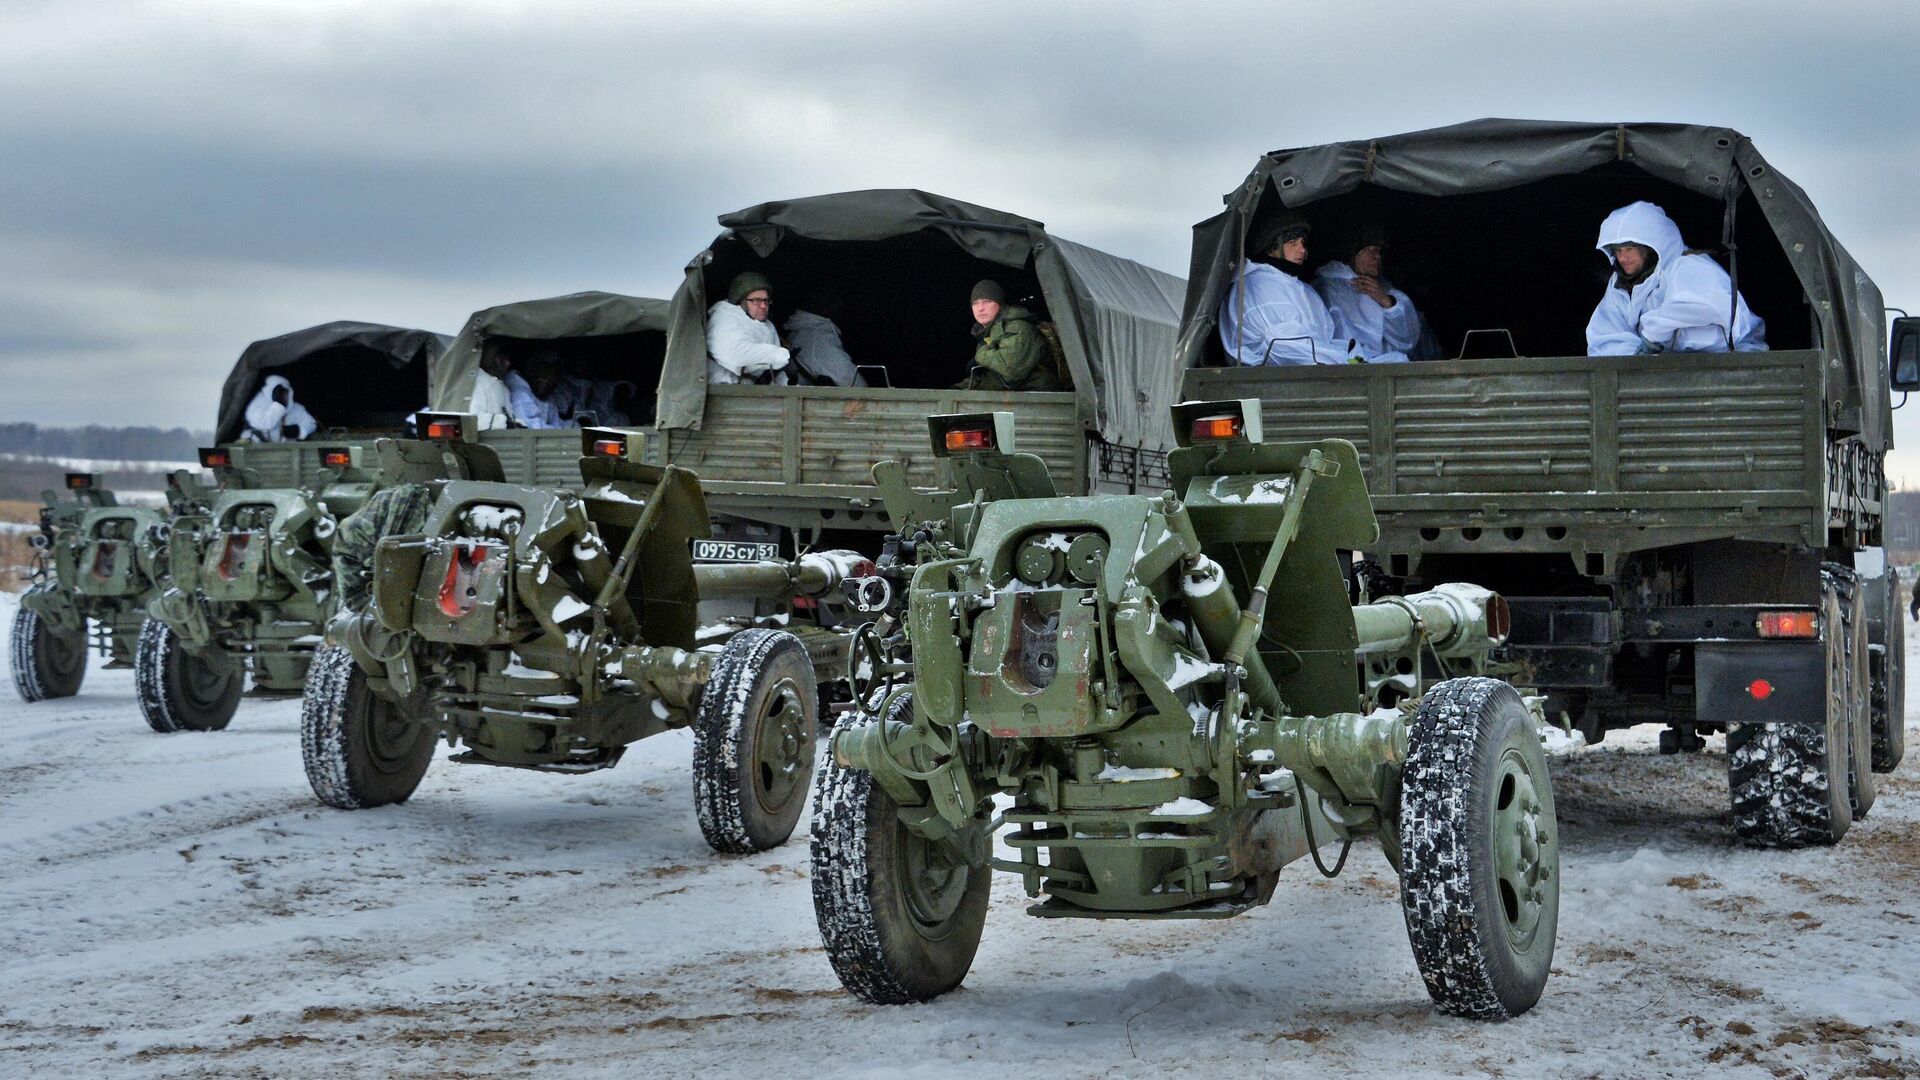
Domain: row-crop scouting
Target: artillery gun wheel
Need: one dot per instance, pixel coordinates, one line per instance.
(1479, 850)
(46, 663)
(753, 741)
(179, 691)
(1889, 688)
(1790, 782)
(901, 919)
(360, 749)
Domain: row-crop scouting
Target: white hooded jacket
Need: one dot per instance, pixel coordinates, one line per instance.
(266, 417)
(1681, 307)
(492, 402)
(1374, 329)
(1271, 317)
(818, 350)
(740, 346)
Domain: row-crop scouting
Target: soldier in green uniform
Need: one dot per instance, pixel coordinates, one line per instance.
(1013, 354)
(397, 510)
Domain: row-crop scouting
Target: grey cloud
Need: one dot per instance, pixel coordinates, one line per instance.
(226, 171)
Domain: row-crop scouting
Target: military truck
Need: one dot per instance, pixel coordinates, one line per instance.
(903, 263)
(1172, 697)
(550, 628)
(602, 341)
(94, 570)
(250, 582)
(1691, 539)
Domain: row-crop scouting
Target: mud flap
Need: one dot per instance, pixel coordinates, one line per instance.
(1760, 682)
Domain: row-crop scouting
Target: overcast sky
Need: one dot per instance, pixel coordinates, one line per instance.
(178, 179)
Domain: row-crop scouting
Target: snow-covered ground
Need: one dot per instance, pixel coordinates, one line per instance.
(179, 906)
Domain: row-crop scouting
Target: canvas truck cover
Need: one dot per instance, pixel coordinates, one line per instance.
(1118, 319)
(388, 356)
(1491, 155)
(575, 315)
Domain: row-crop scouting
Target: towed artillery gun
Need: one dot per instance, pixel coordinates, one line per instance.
(549, 629)
(251, 561)
(96, 564)
(249, 585)
(1180, 697)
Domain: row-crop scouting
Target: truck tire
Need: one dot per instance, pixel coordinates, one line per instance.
(901, 920)
(1479, 850)
(360, 749)
(1889, 688)
(1789, 781)
(1862, 789)
(753, 739)
(179, 691)
(46, 663)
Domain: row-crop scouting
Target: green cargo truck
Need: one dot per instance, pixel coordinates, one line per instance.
(903, 263)
(1684, 539)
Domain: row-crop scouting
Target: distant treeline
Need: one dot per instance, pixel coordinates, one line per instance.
(109, 443)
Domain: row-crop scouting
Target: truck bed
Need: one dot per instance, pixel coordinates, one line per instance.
(797, 455)
(1599, 455)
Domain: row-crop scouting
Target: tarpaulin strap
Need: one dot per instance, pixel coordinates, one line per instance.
(1620, 142)
(1733, 250)
(1373, 151)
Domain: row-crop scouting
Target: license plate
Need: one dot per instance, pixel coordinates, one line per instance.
(733, 551)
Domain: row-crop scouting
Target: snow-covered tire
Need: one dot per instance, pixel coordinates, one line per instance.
(1790, 781)
(890, 942)
(1479, 850)
(179, 691)
(360, 749)
(1888, 699)
(46, 663)
(753, 739)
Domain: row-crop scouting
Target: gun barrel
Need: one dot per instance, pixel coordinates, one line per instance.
(813, 574)
(1457, 619)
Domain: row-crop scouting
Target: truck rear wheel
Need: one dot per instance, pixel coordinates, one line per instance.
(1862, 789)
(179, 691)
(1479, 850)
(1790, 781)
(900, 916)
(1889, 687)
(753, 742)
(360, 749)
(46, 663)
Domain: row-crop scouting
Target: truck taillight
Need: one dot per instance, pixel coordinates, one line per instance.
(1788, 624)
(79, 481)
(458, 591)
(610, 448)
(215, 459)
(1215, 428)
(336, 459)
(970, 439)
(443, 429)
(1760, 689)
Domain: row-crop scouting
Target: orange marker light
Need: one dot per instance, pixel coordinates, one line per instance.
(610, 447)
(336, 459)
(443, 429)
(79, 481)
(1788, 624)
(1216, 427)
(1760, 689)
(973, 439)
(215, 459)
